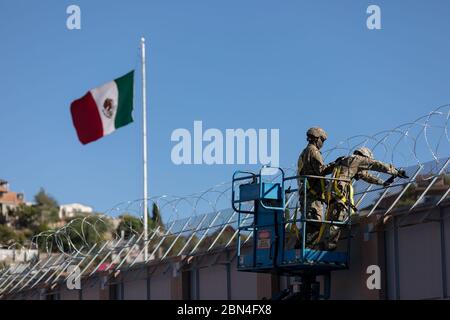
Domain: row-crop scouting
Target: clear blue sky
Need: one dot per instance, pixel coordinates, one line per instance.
(231, 64)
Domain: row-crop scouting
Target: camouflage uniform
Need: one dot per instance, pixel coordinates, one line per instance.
(310, 162)
(356, 167)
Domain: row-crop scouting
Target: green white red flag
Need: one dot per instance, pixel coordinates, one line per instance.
(104, 109)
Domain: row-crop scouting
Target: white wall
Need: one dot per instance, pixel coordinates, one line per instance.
(18, 255)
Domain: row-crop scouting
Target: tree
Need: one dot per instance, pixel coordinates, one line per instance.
(81, 232)
(47, 205)
(27, 217)
(35, 217)
(156, 219)
(43, 199)
(129, 222)
(129, 225)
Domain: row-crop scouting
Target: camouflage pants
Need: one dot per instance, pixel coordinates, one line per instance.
(331, 233)
(314, 210)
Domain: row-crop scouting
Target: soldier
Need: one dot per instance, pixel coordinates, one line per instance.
(310, 162)
(340, 193)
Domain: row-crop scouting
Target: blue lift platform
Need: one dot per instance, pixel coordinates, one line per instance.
(260, 201)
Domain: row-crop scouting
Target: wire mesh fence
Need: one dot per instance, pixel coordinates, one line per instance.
(210, 224)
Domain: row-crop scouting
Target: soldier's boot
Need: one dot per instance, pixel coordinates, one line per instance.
(312, 235)
(333, 238)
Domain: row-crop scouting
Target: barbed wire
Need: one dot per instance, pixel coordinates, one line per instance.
(198, 222)
(429, 132)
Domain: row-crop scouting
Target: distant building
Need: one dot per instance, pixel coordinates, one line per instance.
(71, 210)
(12, 256)
(8, 200)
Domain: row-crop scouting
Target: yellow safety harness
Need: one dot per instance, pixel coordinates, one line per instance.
(332, 192)
(335, 193)
(317, 196)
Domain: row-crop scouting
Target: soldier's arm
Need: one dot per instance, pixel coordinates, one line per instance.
(375, 165)
(320, 169)
(328, 168)
(369, 178)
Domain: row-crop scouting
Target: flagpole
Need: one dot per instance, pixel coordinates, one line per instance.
(144, 131)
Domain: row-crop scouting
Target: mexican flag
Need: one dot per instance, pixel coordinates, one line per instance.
(104, 109)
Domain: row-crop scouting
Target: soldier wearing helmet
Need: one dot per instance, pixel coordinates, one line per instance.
(361, 162)
(316, 135)
(310, 163)
(356, 166)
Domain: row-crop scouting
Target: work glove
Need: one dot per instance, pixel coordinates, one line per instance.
(402, 174)
(339, 159)
(388, 182)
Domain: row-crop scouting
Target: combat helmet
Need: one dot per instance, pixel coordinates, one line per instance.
(317, 132)
(365, 152)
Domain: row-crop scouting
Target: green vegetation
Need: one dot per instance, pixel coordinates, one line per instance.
(130, 224)
(47, 206)
(26, 221)
(87, 230)
(83, 230)
(8, 235)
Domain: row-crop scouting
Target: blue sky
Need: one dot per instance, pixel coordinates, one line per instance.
(231, 64)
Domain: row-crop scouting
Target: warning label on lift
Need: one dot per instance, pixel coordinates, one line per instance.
(263, 239)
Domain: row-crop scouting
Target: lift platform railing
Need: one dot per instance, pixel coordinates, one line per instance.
(304, 180)
(341, 221)
(270, 196)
